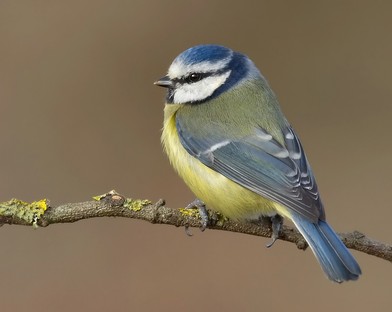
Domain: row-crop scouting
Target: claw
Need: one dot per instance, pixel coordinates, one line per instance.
(197, 203)
(277, 222)
(188, 231)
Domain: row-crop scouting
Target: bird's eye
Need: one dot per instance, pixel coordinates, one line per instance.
(193, 77)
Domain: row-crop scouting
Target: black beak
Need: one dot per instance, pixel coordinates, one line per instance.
(164, 82)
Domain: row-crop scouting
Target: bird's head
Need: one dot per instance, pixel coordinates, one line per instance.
(204, 72)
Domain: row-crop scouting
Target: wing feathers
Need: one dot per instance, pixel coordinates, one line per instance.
(261, 164)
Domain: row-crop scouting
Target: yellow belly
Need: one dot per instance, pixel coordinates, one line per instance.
(218, 192)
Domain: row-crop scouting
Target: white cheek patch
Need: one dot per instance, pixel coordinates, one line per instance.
(200, 90)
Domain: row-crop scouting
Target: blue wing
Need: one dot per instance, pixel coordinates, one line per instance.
(258, 162)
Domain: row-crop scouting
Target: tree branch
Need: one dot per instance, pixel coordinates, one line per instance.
(40, 214)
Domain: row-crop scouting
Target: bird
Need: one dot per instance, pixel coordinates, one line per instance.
(228, 139)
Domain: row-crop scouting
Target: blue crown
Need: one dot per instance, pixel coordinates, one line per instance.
(202, 53)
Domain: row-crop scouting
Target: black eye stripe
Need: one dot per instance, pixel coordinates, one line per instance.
(193, 77)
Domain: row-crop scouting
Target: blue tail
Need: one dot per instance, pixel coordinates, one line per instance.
(335, 259)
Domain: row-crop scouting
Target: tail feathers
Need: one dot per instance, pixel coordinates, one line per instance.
(335, 259)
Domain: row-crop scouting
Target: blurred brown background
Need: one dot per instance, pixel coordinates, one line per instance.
(79, 116)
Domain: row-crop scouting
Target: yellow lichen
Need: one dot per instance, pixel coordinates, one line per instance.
(100, 197)
(28, 212)
(194, 212)
(136, 204)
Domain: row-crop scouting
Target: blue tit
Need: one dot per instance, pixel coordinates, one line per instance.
(226, 136)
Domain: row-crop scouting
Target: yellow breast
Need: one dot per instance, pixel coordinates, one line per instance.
(217, 192)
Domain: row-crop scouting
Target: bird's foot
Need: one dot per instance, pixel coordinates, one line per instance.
(276, 225)
(197, 203)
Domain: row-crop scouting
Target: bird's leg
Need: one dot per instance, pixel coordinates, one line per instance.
(197, 203)
(276, 225)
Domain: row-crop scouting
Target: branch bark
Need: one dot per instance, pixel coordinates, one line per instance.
(112, 204)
